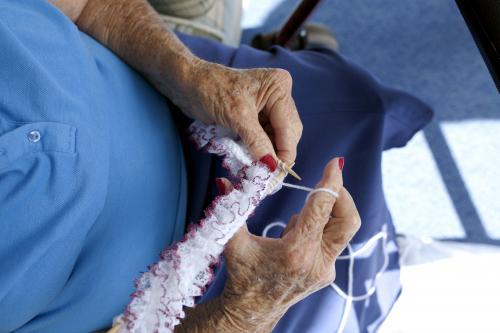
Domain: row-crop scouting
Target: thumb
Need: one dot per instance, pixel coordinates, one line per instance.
(253, 135)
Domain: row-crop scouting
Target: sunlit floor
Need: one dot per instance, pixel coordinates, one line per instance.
(418, 198)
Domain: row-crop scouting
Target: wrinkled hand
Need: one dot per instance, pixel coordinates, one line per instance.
(255, 103)
(266, 276)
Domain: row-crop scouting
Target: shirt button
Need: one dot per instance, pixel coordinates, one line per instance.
(34, 136)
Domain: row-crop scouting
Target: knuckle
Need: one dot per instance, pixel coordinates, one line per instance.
(316, 213)
(322, 206)
(345, 236)
(299, 128)
(356, 221)
(282, 75)
(309, 228)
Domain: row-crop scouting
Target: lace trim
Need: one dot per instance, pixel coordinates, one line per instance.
(186, 268)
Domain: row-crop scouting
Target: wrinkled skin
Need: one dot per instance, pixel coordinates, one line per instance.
(266, 276)
(255, 103)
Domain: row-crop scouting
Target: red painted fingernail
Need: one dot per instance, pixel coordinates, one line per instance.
(269, 161)
(341, 163)
(221, 187)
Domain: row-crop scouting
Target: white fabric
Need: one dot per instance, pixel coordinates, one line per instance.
(447, 287)
(185, 268)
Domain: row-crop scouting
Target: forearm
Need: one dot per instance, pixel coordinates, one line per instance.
(215, 316)
(134, 31)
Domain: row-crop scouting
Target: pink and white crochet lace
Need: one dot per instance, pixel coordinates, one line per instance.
(185, 269)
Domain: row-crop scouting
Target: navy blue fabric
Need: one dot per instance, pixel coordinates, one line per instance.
(87, 207)
(345, 112)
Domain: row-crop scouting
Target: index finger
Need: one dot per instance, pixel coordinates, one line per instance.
(287, 128)
(283, 116)
(318, 209)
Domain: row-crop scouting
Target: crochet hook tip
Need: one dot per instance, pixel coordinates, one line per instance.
(294, 174)
(288, 168)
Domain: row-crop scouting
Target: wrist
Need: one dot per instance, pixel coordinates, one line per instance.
(217, 315)
(250, 314)
(188, 77)
(174, 74)
(186, 72)
(180, 81)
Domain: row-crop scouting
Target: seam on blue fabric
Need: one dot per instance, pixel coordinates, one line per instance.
(56, 138)
(355, 110)
(29, 154)
(35, 59)
(71, 139)
(411, 128)
(180, 193)
(3, 126)
(400, 121)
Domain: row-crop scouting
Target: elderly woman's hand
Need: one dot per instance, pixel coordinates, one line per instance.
(266, 276)
(255, 103)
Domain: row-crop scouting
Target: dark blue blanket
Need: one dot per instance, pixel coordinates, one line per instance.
(346, 112)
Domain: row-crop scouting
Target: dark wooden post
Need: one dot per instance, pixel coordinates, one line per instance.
(296, 20)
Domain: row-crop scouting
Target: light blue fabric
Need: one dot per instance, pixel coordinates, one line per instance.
(84, 209)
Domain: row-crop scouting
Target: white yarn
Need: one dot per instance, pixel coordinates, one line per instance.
(348, 303)
(325, 190)
(272, 225)
(382, 235)
(185, 268)
(298, 187)
(349, 297)
(312, 190)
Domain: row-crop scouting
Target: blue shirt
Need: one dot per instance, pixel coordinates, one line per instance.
(92, 176)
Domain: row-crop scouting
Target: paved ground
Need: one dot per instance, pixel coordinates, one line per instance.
(446, 182)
